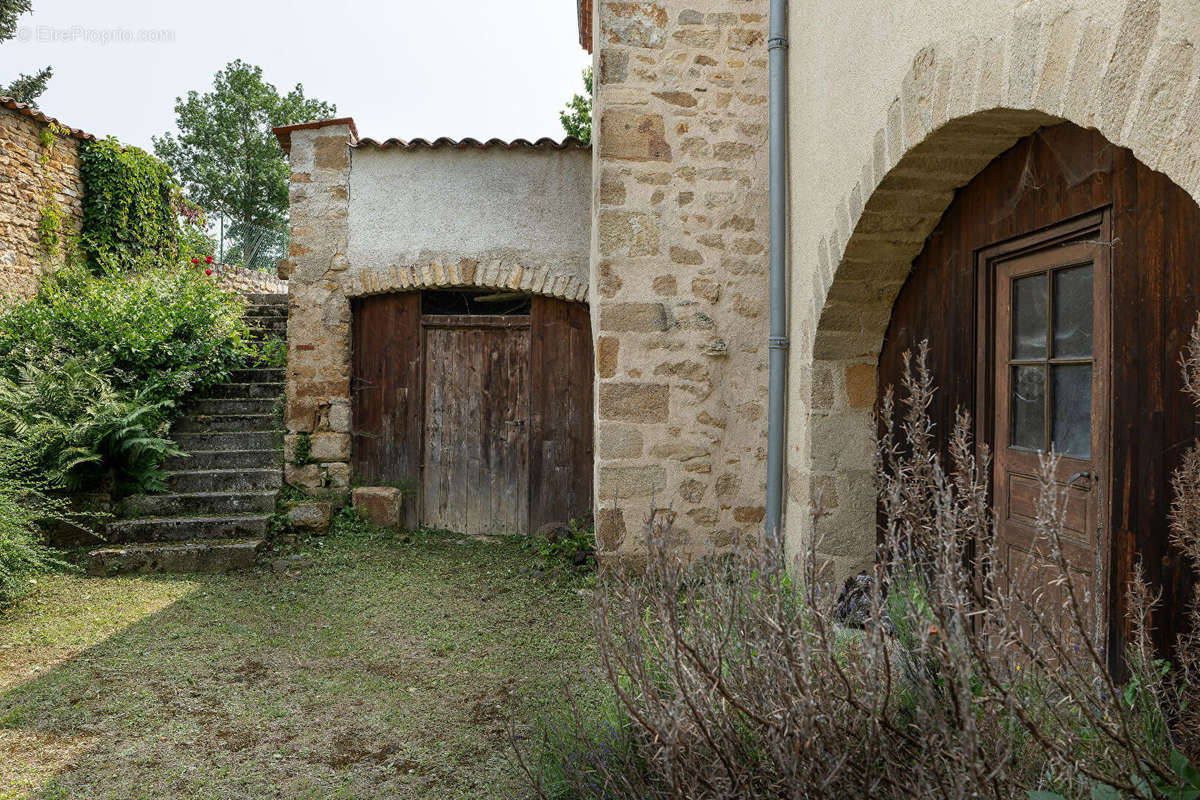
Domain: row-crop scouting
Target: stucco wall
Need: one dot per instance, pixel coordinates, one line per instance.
(893, 106)
(525, 206)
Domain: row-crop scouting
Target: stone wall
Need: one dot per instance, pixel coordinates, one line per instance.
(370, 217)
(30, 175)
(679, 267)
(248, 281)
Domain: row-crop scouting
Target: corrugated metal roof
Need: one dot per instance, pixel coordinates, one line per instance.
(33, 113)
(545, 143)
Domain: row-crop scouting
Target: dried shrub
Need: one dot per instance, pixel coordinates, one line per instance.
(737, 677)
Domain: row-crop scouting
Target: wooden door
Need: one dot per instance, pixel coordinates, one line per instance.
(385, 387)
(1050, 375)
(560, 459)
(476, 450)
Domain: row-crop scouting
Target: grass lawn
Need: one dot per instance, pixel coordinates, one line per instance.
(380, 668)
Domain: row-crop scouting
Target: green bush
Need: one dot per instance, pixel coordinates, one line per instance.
(92, 370)
(24, 504)
(164, 331)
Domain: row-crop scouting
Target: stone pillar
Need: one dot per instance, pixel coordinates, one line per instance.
(317, 447)
(679, 267)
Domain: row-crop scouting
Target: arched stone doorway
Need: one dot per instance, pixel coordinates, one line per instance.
(478, 403)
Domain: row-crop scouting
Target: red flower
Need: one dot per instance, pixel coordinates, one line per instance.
(208, 272)
(195, 261)
(208, 259)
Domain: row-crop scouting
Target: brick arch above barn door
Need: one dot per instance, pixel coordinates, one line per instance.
(469, 273)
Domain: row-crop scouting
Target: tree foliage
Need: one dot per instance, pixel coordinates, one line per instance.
(26, 88)
(576, 118)
(224, 151)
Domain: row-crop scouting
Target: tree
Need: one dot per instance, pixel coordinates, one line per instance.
(26, 88)
(577, 116)
(226, 155)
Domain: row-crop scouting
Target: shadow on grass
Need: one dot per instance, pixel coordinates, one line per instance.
(373, 669)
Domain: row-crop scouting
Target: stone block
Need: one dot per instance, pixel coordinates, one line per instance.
(634, 402)
(637, 317)
(305, 477)
(329, 446)
(633, 24)
(629, 233)
(607, 349)
(633, 136)
(619, 443)
(626, 482)
(332, 152)
(338, 475)
(379, 505)
(312, 516)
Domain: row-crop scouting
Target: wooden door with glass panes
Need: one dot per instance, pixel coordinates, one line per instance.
(1050, 381)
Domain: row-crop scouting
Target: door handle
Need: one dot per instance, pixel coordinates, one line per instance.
(1076, 477)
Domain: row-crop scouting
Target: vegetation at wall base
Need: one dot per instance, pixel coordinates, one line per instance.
(733, 676)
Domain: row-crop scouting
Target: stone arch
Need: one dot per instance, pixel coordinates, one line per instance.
(954, 114)
(470, 273)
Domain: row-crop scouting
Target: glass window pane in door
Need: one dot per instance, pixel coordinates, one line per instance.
(1073, 312)
(1029, 407)
(1072, 421)
(1029, 316)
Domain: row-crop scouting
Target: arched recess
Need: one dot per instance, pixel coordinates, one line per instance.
(955, 113)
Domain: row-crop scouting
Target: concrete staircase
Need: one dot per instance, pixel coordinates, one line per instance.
(216, 514)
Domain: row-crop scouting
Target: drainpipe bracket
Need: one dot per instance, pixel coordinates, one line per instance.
(777, 43)
(779, 343)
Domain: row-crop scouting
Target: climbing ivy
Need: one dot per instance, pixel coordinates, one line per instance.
(129, 218)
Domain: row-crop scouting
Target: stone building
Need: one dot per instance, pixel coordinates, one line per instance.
(950, 164)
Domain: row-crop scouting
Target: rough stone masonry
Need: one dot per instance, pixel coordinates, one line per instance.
(33, 175)
(679, 267)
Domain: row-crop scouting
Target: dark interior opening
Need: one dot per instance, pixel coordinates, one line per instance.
(489, 302)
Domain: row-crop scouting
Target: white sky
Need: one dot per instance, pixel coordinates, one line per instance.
(404, 68)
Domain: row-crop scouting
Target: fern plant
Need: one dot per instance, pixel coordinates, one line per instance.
(64, 415)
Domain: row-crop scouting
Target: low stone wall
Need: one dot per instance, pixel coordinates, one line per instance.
(248, 281)
(37, 172)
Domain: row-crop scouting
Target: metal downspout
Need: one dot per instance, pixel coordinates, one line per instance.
(777, 45)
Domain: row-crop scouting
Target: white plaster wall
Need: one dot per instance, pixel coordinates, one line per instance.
(854, 112)
(530, 207)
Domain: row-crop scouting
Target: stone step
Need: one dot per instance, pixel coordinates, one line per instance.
(232, 405)
(258, 375)
(266, 299)
(180, 529)
(266, 322)
(212, 555)
(224, 480)
(225, 459)
(229, 440)
(273, 310)
(198, 504)
(249, 390)
(204, 423)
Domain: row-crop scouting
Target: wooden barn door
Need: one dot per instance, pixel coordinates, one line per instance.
(385, 387)
(476, 432)
(1051, 392)
(560, 468)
